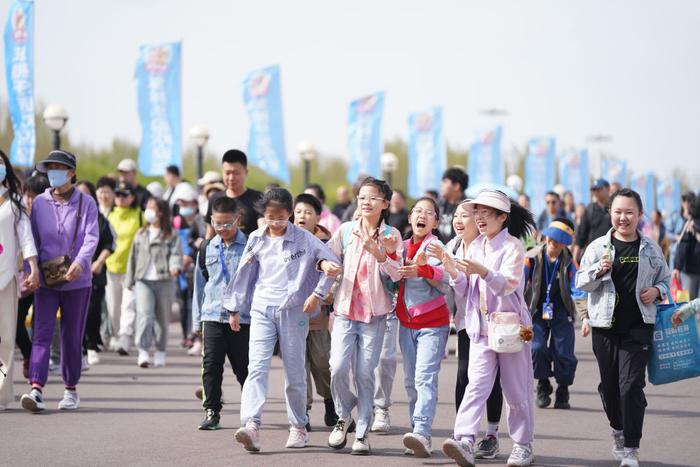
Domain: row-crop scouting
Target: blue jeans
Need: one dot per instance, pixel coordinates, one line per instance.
(364, 342)
(291, 327)
(386, 370)
(423, 350)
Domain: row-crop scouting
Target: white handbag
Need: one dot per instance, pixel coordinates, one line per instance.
(503, 327)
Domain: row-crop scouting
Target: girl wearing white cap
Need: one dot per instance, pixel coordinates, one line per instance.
(491, 278)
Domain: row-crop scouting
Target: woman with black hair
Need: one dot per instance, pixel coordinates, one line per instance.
(105, 247)
(686, 265)
(16, 241)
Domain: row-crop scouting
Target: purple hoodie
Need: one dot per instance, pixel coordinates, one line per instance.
(53, 225)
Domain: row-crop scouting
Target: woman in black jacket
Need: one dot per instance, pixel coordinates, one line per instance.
(687, 260)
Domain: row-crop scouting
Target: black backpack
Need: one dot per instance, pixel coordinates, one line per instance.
(202, 259)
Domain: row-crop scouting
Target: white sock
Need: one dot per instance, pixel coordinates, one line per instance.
(492, 430)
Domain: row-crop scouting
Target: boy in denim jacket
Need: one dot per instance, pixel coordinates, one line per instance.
(213, 273)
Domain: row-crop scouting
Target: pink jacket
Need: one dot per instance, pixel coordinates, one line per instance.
(380, 300)
(504, 282)
(329, 220)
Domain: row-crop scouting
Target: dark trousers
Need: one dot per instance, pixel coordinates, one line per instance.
(218, 342)
(494, 404)
(553, 348)
(21, 335)
(622, 361)
(93, 340)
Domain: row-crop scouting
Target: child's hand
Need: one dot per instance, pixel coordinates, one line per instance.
(389, 243)
(436, 252)
(330, 268)
(421, 259)
(369, 244)
(408, 271)
(605, 265)
(473, 267)
(234, 320)
(585, 328)
(648, 295)
(311, 303)
(676, 319)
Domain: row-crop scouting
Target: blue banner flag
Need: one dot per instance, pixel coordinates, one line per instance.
(262, 97)
(574, 174)
(539, 171)
(614, 171)
(158, 88)
(645, 185)
(364, 136)
(668, 196)
(19, 74)
(485, 159)
(427, 156)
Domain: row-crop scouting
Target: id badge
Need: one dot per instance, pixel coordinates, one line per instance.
(547, 310)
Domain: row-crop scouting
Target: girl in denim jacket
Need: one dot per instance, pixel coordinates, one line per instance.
(361, 305)
(625, 275)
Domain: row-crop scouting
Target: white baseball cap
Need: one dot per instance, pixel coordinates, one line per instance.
(126, 165)
(493, 199)
(185, 192)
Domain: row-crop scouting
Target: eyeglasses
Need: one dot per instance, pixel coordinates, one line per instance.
(276, 222)
(483, 213)
(427, 212)
(369, 199)
(223, 226)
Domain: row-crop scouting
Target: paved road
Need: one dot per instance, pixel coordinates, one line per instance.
(132, 416)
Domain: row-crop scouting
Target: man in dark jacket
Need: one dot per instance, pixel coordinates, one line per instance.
(596, 220)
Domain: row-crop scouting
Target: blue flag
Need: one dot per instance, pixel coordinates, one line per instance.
(645, 185)
(19, 74)
(427, 156)
(614, 171)
(574, 174)
(668, 196)
(485, 159)
(539, 171)
(262, 97)
(364, 136)
(158, 87)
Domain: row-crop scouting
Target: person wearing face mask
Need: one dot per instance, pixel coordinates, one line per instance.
(155, 260)
(66, 233)
(16, 241)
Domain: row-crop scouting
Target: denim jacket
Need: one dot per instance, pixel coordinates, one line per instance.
(420, 296)
(302, 253)
(165, 253)
(207, 304)
(652, 272)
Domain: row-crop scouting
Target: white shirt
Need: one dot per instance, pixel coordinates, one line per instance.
(271, 287)
(14, 236)
(151, 274)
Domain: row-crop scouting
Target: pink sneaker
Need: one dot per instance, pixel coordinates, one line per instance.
(249, 436)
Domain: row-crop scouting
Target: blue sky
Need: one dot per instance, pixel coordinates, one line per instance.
(568, 69)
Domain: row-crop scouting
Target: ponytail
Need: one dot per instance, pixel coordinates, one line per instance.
(520, 221)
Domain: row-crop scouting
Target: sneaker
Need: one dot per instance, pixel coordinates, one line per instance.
(330, 418)
(54, 367)
(308, 423)
(487, 448)
(361, 447)
(195, 350)
(249, 436)
(382, 422)
(113, 344)
(461, 452)
(618, 449)
(159, 359)
(630, 458)
(93, 358)
(419, 444)
(34, 401)
(339, 436)
(561, 398)
(544, 390)
(70, 401)
(408, 452)
(122, 351)
(84, 365)
(211, 421)
(298, 438)
(521, 455)
(143, 359)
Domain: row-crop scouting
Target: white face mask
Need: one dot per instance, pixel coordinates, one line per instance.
(150, 216)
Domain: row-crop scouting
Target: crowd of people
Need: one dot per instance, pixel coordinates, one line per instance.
(334, 290)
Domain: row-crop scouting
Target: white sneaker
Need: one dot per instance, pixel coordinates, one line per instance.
(419, 444)
(34, 401)
(339, 436)
(195, 350)
(249, 436)
(93, 357)
(84, 365)
(521, 455)
(382, 422)
(461, 452)
(408, 452)
(618, 448)
(361, 447)
(113, 344)
(630, 458)
(159, 359)
(143, 359)
(298, 438)
(70, 401)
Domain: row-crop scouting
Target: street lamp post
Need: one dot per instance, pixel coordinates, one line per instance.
(308, 154)
(599, 142)
(199, 135)
(389, 163)
(55, 117)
